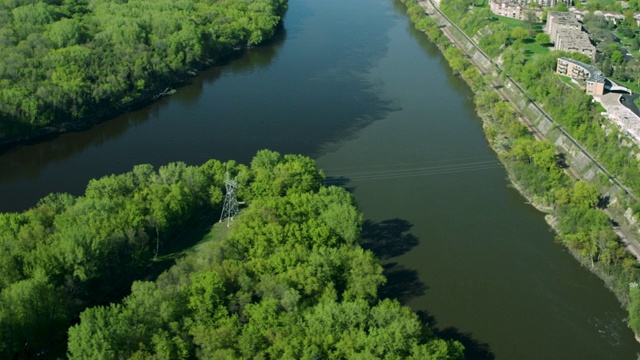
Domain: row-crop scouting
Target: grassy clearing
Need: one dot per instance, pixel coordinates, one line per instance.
(510, 21)
(200, 232)
(203, 229)
(567, 80)
(533, 48)
(623, 39)
(633, 86)
(599, 107)
(481, 3)
(595, 4)
(627, 43)
(218, 231)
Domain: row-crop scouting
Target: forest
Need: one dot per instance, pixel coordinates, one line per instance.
(287, 280)
(574, 208)
(65, 61)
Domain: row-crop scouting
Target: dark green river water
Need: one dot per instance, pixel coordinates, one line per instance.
(351, 84)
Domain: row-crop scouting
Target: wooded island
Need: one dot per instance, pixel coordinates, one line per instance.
(288, 280)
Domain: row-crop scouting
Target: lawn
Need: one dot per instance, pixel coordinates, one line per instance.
(626, 42)
(533, 48)
(633, 86)
(204, 228)
(568, 81)
(510, 21)
(604, 4)
(599, 107)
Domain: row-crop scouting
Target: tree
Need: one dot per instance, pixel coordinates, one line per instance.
(63, 60)
(96, 338)
(457, 60)
(607, 69)
(289, 280)
(530, 18)
(543, 39)
(32, 313)
(519, 33)
(617, 57)
(66, 32)
(634, 307)
(164, 204)
(561, 6)
(629, 19)
(584, 194)
(277, 175)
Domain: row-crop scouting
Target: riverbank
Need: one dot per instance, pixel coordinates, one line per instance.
(616, 269)
(98, 73)
(32, 136)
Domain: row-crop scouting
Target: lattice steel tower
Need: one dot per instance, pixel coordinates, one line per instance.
(230, 207)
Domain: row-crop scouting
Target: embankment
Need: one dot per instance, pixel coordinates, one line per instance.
(580, 163)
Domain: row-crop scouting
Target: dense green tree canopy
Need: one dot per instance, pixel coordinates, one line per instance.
(289, 279)
(67, 60)
(69, 252)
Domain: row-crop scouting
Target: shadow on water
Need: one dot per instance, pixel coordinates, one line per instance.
(340, 181)
(26, 160)
(316, 94)
(402, 284)
(388, 238)
(473, 349)
(239, 62)
(391, 238)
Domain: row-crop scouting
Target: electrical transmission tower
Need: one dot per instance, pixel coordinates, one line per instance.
(230, 207)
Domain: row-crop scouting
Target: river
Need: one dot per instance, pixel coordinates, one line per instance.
(354, 86)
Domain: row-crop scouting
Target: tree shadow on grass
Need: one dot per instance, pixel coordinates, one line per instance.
(473, 349)
(173, 246)
(388, 238)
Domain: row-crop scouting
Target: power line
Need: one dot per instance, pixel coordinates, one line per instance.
(413, 164)
(230, 207)
(390, 173)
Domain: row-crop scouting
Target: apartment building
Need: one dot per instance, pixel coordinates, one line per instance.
(592, 79)
(566, 33)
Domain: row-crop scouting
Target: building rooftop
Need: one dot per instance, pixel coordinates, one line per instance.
(560, 17)
(595, 74)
